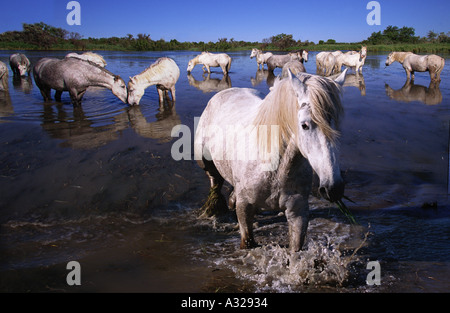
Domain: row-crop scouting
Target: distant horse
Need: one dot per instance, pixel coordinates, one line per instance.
(326, 63)
(4, 76)
(261, 58)
(411, 62)
(89, 56)
(20, 65)
(164, 73)
(208, 60)
(267, 149)
(279, 60)
(355, 60)
(75, 76)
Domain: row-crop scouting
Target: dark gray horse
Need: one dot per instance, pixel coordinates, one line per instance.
(20, 65)
(75, 76)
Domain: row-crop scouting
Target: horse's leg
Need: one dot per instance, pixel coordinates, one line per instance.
(45, 92)
(160, 94)
(216, 203)
(412, 75)
(172, 92)
(76, 96)
(246, 213)
(58, 94)
(297, 216)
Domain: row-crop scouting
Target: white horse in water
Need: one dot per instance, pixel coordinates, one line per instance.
(354, 60)
(3, 76)
(411, 62)
(261, 58)
(164, 73)
(89, 56)
(208, 60)
(267, 149)
(279, 60)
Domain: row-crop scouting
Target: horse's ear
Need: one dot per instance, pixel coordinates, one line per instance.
(341, 78)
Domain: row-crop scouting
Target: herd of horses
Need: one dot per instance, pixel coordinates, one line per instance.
(284, 138)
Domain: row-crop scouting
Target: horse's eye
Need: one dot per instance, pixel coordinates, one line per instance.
(305, 126)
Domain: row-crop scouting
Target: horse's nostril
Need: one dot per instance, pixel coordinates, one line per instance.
(323, 192)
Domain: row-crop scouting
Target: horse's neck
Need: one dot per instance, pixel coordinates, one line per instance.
(400, 56)
(146, 79)
(100, 78)
(289, 162)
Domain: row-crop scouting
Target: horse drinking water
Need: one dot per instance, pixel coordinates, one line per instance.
(208, 60)
(75, 76)
(164, 73)
(267, 149)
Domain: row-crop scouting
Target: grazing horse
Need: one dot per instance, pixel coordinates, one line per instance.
(4, 76)
(355, 60)
(411, 62)
(261, 58)
(164, 73)
(267, 149)
(208, 60)
(89, 56)
(278, 60)
(75, 76)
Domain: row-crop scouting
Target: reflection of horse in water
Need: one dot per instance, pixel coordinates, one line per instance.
(160, 129)
(81, 132)
(260, 76)
(209, 84)
(411, 92)
(23, 84)
(356, 80)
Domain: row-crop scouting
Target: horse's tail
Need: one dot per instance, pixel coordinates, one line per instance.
(229, 64)
(441, 66)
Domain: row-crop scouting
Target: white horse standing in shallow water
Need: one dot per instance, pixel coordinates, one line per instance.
(261, 58)
(4, 76)
(354, 60)
(164, 73)
(272, 170)
(208, 60)
(411, 62)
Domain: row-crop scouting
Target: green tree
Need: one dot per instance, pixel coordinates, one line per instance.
(282, 41)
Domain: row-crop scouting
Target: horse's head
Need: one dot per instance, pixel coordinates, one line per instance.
(305, 55)
(253, 54)
(191, 65)
(363, 52)
(134, 92)
(295, 56)
(23, 69)
(319, 109)
(390, 59)
(119, 89)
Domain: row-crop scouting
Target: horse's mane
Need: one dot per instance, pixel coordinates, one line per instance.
(150, 71)
(96, 55)
(280, 108)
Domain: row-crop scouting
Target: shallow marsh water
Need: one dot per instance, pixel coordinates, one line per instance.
(98, 185)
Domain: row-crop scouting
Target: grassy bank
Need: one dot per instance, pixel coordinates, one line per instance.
(442, 48)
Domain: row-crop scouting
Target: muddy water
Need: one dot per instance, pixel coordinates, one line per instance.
(98, 185)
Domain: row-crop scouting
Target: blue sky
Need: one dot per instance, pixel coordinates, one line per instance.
(208, 20)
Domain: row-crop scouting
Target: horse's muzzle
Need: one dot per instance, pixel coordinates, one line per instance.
(332, 193)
